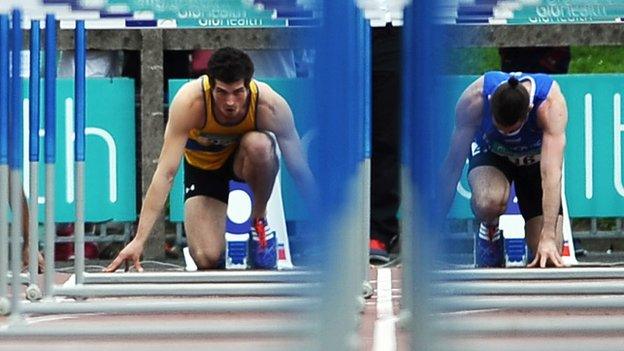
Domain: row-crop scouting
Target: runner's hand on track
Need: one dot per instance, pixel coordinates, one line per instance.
(132, 252)
(547, 255)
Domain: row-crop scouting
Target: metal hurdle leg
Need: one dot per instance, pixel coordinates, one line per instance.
(79, 155)
(421, 153)
(4, 168)
(33, 292)
(50, 149)
(15, 159)
(405, 315)
(341, 173)
(365, 41)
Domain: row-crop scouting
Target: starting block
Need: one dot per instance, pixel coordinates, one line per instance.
(238, 225)
(512, 225)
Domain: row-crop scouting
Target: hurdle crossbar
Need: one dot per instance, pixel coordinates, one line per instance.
(202, 277)
(208, 305)
(538, 303)
(535, 325)
(604, 287)
(530, 274)
(248, 329)
(221, 289)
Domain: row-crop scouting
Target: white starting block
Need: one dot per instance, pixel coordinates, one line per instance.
(512, 225)
(238, 225)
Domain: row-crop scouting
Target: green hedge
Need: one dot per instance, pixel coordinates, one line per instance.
(585, 59)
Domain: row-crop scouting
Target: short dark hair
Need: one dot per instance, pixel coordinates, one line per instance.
(230, 65)
(510, 103)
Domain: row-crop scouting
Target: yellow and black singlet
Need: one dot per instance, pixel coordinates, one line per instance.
(209, 147)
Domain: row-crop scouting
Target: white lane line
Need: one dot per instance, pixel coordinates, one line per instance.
(385, 326)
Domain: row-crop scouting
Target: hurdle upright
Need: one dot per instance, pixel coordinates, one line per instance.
(4, 162)
(50, 149)
(79, 147)
(341, 167)
(15, 157)
(421, 151)
(33, 291)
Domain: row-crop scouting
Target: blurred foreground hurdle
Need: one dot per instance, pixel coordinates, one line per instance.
(515, 309)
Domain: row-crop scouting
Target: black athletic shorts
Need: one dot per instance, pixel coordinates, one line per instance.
(215, 184)
(527, 180)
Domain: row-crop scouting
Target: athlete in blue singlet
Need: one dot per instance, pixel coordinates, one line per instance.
(512, 128)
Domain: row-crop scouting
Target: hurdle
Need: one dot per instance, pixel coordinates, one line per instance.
(50, 154)
(421, 148)
(15, 155)
(344, 168)
(4, 166)
(33, 292)
(364, 36)
(296, 287)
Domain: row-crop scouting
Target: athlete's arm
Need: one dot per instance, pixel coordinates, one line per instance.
(274, 115)
(184, 113)
(552, 117)
(468, 116)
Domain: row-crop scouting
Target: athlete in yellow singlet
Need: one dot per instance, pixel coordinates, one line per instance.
(220, 124)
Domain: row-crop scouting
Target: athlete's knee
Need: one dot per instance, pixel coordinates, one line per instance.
(258, 147)
(488, 206)
(206, 259)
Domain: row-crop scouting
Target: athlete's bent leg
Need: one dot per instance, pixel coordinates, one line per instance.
(204, 223)
(257, 164)
(490, 192)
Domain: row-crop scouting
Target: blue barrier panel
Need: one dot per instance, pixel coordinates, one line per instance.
(298, 94)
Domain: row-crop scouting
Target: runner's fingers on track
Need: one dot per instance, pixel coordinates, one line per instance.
(122, 258)
(115, 264)
(137, 264)
(559, 260)
(544, 259)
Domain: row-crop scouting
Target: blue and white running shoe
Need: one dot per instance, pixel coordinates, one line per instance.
(489, 247)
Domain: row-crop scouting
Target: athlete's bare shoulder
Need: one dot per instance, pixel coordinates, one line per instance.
(268, 99)
(189, 103)
(191, 92)
(469, 107)
(273, 112)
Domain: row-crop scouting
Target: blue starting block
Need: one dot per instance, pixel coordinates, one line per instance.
(237, 225)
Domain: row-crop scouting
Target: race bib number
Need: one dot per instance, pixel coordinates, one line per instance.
(524, 160)
(518, 160)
